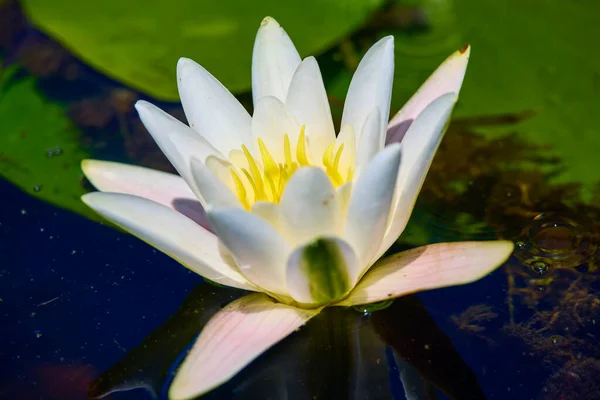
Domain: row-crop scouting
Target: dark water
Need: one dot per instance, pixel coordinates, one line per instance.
(78, 297)
(88, 311)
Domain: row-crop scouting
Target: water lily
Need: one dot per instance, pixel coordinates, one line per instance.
(278, 204)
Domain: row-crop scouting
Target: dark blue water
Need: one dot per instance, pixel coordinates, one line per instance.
(79, 297)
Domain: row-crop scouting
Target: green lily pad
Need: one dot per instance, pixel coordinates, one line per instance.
(139, 42)
(526, 56)
(39, 148)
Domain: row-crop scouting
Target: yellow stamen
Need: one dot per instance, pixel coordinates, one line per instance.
(270, 165)
(240, 189)
(338, 155)
(327, 155)
(256, 176)
(272, 195)
(267, 179)
(301, 148)
(287, 150)
(334, 172)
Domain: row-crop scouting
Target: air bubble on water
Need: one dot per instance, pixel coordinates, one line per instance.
(57, 151)
(539, 267)
(370, 308)
(559, 240)
(38, 187)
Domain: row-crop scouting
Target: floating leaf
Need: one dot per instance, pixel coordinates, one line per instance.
(139, 42)
(39, 148)
(527, 56)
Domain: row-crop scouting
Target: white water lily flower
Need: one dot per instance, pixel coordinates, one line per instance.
(299, 214)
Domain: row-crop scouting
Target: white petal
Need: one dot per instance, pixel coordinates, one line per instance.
(211, 109)
(307, 100)
(370, 142)
(270, 122)
(322, 271)
(274, 61)
(213, 190)
(371, 202)
(222, 170)
(371, 85)
(176, 140)
(347, 137)
(260, 251)
(308, 206)
(170, 232)
(429, 267)
(418, 147)
(343, 194)
(232, 339)
(164, 188)
(447, 78)
(269, 212)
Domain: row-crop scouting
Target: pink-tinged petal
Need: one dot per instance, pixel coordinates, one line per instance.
(232, 339)
(428, 267)
(447, 78)
(164, 188)
(418, 148)
(170, 232)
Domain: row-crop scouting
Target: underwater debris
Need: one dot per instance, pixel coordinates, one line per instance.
(505, 188)
(561, 326)
(91, 112)
(578, 379)
(471, 320)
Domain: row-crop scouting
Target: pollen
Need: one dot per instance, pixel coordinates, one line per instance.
(262, 178)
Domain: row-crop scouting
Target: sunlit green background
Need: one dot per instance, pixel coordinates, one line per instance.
(529, 57)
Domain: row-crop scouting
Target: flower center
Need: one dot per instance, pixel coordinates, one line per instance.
(264, 179)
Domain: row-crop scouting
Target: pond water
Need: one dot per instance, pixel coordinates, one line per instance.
(88, 311)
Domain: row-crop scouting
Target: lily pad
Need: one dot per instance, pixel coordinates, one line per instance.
(39, 148)
(139, 42)
(526, 56)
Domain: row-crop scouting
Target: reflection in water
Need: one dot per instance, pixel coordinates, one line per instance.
(413, 334)
(340, 354)
(148, 365)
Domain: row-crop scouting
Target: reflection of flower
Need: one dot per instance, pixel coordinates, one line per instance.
(299, 214)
